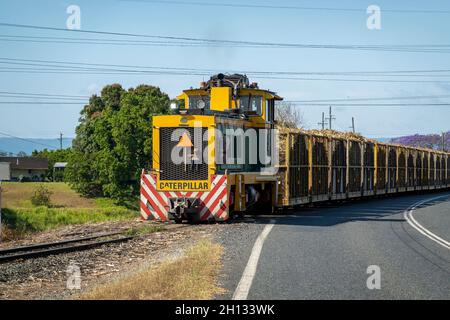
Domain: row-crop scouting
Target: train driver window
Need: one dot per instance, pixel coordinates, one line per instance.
(251, 103)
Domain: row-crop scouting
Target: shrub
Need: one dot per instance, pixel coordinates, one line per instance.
(41, 196)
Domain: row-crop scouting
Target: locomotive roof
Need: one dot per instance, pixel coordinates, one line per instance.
(206, 91)
(237, 82)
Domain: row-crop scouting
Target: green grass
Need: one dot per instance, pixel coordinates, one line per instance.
(131, 203)
(42, 218)
(18, 195)
(67, 208)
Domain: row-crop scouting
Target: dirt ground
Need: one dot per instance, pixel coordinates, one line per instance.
(50, 277)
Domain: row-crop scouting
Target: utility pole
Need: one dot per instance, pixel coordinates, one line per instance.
(3, 177)
(1, 210)
(60, 140)
(330, 118)
(353, 125)
(443, 141)
(323, 123)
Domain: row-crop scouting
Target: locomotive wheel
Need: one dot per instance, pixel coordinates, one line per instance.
(237, 215)
(193, 219)
(178, 220)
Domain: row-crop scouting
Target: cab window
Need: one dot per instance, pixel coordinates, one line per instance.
(251, 103)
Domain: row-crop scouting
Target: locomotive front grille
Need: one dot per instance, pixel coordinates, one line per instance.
(189, 171)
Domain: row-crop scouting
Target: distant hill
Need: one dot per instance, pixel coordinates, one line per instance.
(14, 145)
(431, 141)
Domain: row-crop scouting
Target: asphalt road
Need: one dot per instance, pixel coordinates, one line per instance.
(324, 252)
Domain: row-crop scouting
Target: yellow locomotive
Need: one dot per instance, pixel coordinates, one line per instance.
(204, 158)
(219, 155)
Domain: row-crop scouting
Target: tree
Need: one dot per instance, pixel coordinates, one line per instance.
(287, 116)
(22, 154)
(53, 156)
(113, 140)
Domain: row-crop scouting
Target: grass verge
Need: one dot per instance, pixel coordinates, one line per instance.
(193, 276)
(18, 195)
(67, 207)
(25, 220)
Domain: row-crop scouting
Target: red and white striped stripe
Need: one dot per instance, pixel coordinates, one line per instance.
(213, 204)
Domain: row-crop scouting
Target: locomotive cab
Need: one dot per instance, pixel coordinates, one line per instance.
(230, 94)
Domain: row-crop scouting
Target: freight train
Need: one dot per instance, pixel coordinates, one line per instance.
(221, 154)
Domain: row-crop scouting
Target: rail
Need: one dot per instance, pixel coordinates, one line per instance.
(65, 246)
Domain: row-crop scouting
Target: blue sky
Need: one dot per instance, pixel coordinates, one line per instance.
(255, 24)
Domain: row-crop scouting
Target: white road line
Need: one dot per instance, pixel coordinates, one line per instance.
(246, 281)
(413, 222)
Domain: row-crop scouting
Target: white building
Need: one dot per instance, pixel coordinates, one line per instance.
(5, 171)
(26, 168)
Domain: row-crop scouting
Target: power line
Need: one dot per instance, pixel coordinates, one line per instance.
(295, 103)
(96, 71)
(377, 104)
(299, 104)
(29, 95)
(99, 71)
(69, 39)
(60, 67)
(40, 102)
(259, 6)
(42, 94)
(369, 99)
(63, 99)
(27, 140)
(71, 64)
(352, 80)
(382, 72)
(180, 71)
(124, 42)
(53, 62)
(37, 98)
(226, 43)
(31, 71)
(394, 48)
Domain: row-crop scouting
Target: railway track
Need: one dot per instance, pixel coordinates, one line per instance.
(50, 248)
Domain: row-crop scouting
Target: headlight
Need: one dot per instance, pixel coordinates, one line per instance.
(201, 104)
